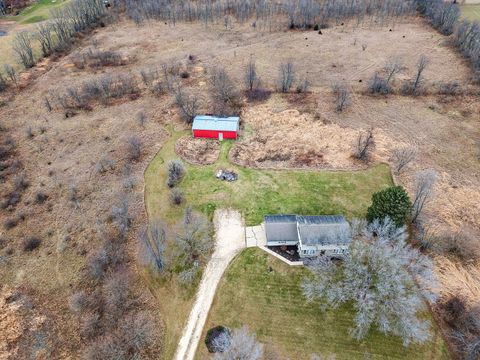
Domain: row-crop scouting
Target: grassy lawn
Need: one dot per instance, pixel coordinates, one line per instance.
(39, 11)
(471, 11)
(260, 192)
(256, 193)
(271, 304)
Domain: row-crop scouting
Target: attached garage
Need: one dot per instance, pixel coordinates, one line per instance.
(213, 127)
(281, 230)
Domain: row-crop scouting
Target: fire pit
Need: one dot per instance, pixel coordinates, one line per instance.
(226, 175)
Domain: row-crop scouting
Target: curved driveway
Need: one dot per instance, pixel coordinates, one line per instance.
(229, 240)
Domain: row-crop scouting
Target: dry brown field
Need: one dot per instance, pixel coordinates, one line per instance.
(62, 152)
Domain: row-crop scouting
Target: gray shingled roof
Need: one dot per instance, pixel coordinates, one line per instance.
(323, 230)
(313, 230)
(281, 227)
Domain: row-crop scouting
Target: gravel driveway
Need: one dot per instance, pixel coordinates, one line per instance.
(229, 240)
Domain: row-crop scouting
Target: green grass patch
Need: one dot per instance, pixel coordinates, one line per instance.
(38, 11)
(471, 11)
(255, 193)
(265, 294)
(260, 192)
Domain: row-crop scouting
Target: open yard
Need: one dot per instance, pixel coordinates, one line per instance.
(255, 194)
(260, 192)
(264, 293)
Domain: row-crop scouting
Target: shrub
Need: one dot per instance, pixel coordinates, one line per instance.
(20, 182)
(98, 58)
(40, 197)
(316, 27)
(31, 243)
(342, 96)
(134, 148)
(10, 223)
(258, 95)
(393, 203)
(78, 302)
(176, 196)
(378, 85)
(11, 199)
(105, 164)
(463, 245)
(218, 332)
(176, 171)
(450, 88)
(3, 82)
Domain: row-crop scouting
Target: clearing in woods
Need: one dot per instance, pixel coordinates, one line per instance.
(254, 194)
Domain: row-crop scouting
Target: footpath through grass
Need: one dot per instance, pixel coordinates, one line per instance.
(265, 294)
(256, 193)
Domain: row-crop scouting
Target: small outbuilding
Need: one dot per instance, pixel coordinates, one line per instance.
(327, 235)
(214, 127)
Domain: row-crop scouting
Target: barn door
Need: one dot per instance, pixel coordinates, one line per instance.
(220, 136)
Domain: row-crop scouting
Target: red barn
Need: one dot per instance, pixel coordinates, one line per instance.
(213, 127)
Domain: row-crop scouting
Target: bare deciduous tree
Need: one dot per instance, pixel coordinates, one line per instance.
(393, 67)
(286, 76)
(134, 148)
(22, 46)
(224, 92)
(11, 73)
(424, 183)
(252, 80)
(241, 345)
(152, 246)
(385, 279)
(402, 157)
(188, 105)
(421, 66)
(364, 145)
(413, 87)
(193, 243)
(342, 96)
(44, 36)
(121, 215)
(175, 172)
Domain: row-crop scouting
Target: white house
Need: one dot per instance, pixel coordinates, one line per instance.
(327, 235)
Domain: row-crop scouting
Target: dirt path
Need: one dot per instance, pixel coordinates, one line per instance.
(229, 240)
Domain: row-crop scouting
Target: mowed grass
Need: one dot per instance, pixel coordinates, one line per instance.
(38, 11)
(260, 192)
(471, 11)
(256, 193)
(265, 294)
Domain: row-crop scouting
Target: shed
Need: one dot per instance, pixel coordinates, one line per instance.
(214, 127)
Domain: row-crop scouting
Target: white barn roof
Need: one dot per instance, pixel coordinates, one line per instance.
(207, 122)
